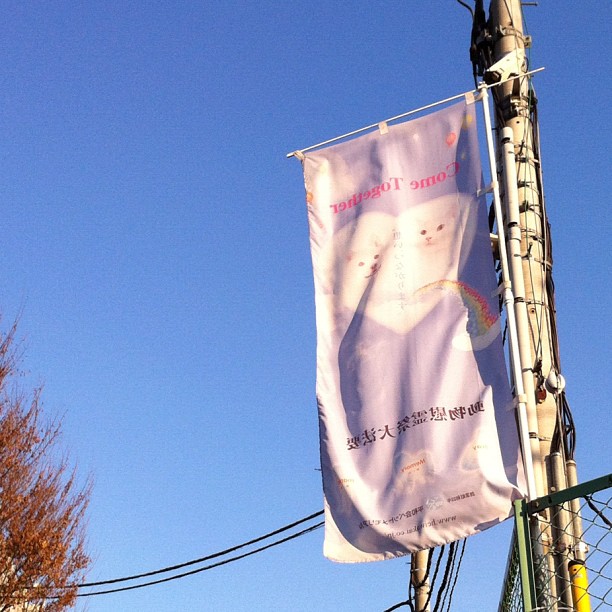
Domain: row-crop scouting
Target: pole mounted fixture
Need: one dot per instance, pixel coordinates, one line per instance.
(509, 66)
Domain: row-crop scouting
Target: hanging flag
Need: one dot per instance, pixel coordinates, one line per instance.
(419, 445)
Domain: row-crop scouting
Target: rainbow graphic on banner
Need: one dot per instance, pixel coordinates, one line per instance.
(482, 324)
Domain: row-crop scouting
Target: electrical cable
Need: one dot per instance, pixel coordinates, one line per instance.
(564, 436)
(202, 559)
(457, 569)
(208, 567)
(481, 50)
(435, 575)
(467, 6)
(480, 42)
(565, 433)
(451, 574)
(447, 576)
(597, 511)
(536, 336)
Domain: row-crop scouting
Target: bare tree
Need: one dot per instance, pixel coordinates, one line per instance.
(42, 508)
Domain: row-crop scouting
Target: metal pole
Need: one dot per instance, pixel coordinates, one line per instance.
(528, 442)
(527, 427)
(580, 586)
(513, 235)
(528, 226)
(562, 536)
(513, 104)
(579, 546)
(420, 580)
(523, 542)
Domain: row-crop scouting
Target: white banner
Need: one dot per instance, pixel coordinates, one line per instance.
(419, 445)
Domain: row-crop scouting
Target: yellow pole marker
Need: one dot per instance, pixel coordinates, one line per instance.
(580, 586)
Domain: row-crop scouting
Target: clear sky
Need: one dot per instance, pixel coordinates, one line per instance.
(155, 241)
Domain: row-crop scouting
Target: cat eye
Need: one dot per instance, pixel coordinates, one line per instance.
(423, 232)
(361, 263)
(441, 226)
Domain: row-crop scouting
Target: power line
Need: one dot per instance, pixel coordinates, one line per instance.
(202, 559)
(467, 6)
(457, 568)
(444, 594)
(208, 567)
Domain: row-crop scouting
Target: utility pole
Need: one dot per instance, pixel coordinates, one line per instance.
(419, 577)
(514, 103)
(527, 230)
(499, 51)
(500, 42)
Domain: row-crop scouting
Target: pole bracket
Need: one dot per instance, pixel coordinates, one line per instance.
(488, 188)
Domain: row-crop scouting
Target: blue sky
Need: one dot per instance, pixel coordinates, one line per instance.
(155, 242)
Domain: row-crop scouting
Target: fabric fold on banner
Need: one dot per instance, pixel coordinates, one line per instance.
(418, 438)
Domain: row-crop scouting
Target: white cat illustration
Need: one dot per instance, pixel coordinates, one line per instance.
(382, 261)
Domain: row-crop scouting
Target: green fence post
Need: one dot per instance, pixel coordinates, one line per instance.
(523, 541)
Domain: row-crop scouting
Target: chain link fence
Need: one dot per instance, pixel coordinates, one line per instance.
(561, 554)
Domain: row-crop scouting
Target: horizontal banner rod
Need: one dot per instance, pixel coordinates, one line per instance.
(299, 153)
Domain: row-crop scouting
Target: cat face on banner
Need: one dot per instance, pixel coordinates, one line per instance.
(382, 261)
(432, 228)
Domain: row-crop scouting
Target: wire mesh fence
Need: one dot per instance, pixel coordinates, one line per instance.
(512, 597)
(561, 555)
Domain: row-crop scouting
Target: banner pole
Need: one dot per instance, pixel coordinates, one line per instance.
(529, 444)
(300, 152)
